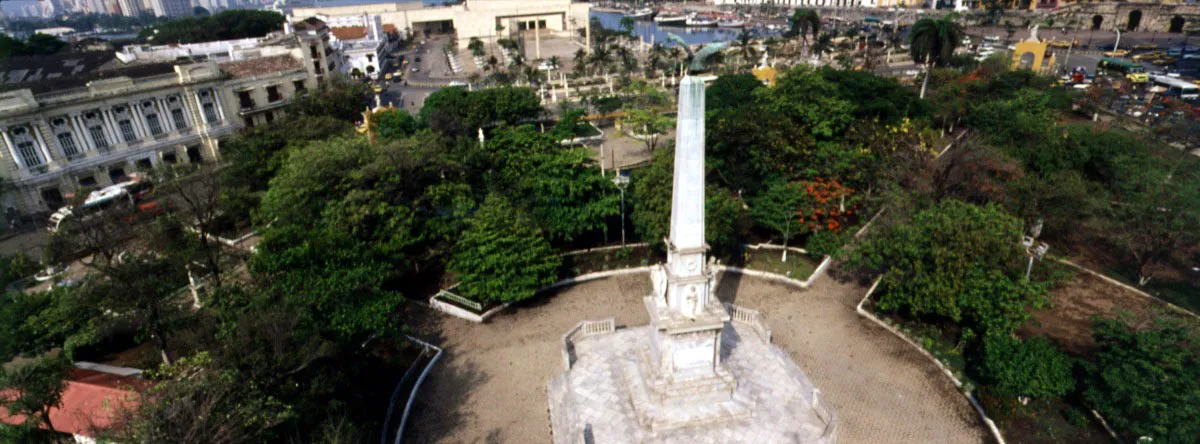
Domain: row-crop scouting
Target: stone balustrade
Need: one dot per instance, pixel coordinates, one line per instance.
(752, 318)
(582, 330)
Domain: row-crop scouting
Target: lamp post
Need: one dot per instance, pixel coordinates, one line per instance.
(622, 182)
(1036, 250)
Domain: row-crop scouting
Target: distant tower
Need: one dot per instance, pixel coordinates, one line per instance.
(172, 8)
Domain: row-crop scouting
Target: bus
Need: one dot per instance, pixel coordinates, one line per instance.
(1182, 89)
(132, 197)
(1134, 72)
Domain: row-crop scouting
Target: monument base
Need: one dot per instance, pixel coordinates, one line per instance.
(606, 397)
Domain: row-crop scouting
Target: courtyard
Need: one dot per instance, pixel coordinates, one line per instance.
(491, 384)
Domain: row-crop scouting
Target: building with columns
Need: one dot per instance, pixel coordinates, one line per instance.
(83, 120)
(472, 18)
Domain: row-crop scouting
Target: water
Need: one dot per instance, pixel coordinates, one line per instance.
(644, 29)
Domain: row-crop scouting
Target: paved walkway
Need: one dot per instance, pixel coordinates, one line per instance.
(491, 385)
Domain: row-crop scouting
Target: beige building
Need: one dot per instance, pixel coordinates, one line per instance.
(483, 19)
(87, 120)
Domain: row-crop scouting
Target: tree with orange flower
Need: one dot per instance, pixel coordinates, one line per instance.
(826, 205)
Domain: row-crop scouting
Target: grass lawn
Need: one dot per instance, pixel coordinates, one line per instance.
(798, 266)
(584, 263)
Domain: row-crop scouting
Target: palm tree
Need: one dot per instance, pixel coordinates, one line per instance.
(555, 62)
(600, 59)
(745, 45)
(932, 42)
(823, 45)
(627, 25)
(492, 63)
(628, 61)
(805, 21)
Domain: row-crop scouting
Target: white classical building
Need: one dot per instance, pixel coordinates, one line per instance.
(483, 19)
(75, 121)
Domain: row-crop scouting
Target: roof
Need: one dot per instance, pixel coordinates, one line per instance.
(350, 32)
(261, 65)
(43, 74)
(310, 24)
(91, 400)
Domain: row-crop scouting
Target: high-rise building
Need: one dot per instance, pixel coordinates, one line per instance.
(172, 8)
(131, 8)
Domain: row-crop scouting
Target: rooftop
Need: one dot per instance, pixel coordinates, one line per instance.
(43, 74)
(91, 401)
(261, 65)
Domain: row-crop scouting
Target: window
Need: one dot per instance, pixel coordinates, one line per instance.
(154, 124)
(298, 85)
(180, 121)
(127, 130)
(245, 100)
(370, 57)
(97, 133)
(170, 158)
(269, 116)
(87, 181)
(317, 67)
(210, 113)
(313, 50)
(68, 144)
(29, 154)
(273, 94)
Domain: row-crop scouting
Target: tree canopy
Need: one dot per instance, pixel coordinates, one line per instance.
(224, 25)
(502, 255)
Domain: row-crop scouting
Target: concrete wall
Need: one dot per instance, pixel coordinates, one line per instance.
(1116, 15)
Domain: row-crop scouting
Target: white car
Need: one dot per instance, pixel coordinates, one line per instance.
(545, 66)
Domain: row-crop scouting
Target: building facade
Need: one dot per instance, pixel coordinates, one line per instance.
(483, 19)
(172, 8)
(62, 135)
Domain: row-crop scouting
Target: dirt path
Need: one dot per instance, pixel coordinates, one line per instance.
(882, 389)
(491, 386)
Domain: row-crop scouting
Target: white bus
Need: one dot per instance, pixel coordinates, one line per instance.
(1182, 89)
(125, 196)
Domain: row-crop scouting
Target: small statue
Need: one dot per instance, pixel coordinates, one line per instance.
(698, 57)
(1033, 34)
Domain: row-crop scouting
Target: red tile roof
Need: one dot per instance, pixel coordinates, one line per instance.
(91, 401)
(350, 32)
(260, 66)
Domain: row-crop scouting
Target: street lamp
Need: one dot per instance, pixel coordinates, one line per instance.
(1033, 248)
(622, 182)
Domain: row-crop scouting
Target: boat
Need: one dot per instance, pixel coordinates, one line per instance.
(731, 23)
(641, 14)
(666, 17)
(700, 20)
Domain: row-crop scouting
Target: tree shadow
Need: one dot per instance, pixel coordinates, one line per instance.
(438, 411)
(727, 289)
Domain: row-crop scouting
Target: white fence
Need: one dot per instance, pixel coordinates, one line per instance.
(752, 318)
(583, 330)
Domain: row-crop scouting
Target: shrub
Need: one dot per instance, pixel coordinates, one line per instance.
(1012, 367)
(1146, 383)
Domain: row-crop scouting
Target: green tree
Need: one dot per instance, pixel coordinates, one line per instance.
(340, 98)
(310, 178)
(560, 187)
(43, 44)
(933, 41)
(627, 24)
(197, 403)
(395, 124)
(1146, 382)
(502, 256)
(224, 25)
(34, 387)
(650, 189)
(954, 261)
(804, 22)
(648, 125)
(143, 290)
(730, 91)
(776, 209)
(1033, 367)
(1158, 214)
(476, 47)
(10, 47)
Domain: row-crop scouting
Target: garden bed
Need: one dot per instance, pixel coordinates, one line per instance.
(1040, 421)
(798, 266)
(590, 262)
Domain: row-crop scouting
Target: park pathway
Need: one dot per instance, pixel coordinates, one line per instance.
(491, 385)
